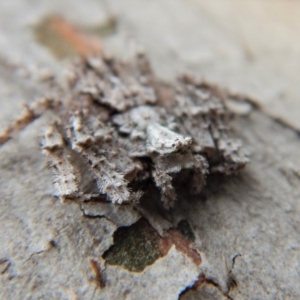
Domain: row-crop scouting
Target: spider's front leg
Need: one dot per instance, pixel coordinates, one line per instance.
(65, 180)
(169, 151)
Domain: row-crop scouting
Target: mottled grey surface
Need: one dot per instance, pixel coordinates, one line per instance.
(246, 228)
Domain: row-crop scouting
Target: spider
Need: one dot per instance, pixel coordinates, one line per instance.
(114, 133)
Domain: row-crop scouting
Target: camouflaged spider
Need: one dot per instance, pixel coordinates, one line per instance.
(113, 132)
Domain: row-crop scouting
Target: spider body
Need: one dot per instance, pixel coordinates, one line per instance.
(114, 130)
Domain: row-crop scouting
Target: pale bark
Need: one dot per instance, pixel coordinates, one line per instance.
(238, 240)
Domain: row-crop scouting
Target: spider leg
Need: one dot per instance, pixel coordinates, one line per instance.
(234, 156)
(164, 182)
(200, 169)
(109, 179)
(65, 181)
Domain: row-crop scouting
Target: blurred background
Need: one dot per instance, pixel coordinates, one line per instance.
(251, 47)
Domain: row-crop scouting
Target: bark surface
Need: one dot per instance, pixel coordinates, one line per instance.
(238, 240)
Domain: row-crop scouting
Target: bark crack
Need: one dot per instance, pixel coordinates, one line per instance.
(202, 280)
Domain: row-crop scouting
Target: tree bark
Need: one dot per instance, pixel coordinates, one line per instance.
(238, 240)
